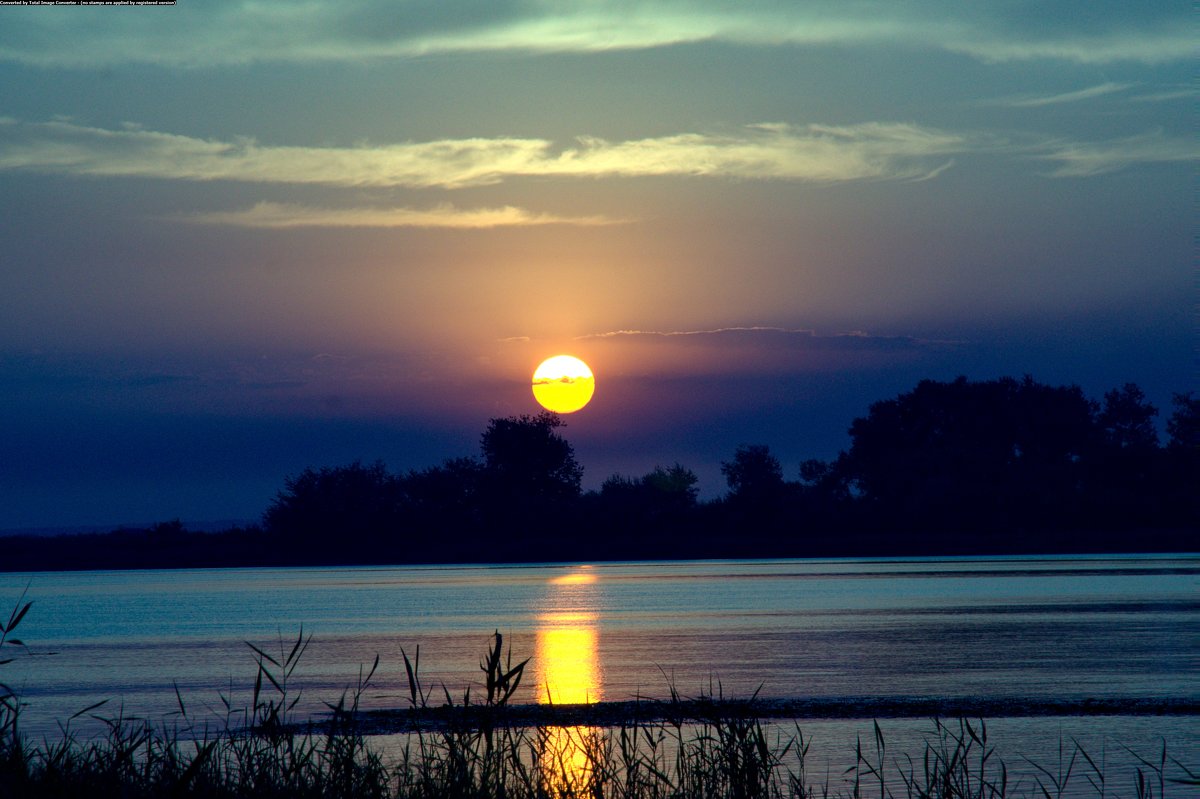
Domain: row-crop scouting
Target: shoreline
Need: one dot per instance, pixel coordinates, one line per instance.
(689, 711)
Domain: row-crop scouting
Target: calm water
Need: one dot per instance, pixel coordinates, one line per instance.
(998, 627)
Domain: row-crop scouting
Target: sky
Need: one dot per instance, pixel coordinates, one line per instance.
(242, 238)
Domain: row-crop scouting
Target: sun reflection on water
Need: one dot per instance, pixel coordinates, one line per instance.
(567, 666)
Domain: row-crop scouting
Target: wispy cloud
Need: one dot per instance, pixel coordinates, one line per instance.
(69, 148)
(1087, 159)
(1154, 42)
(1168, 94)
(713, 331)
(284, 215)
(812, 153)
(1039, 101)
(231, 32)
(765, 337)
(776, 151)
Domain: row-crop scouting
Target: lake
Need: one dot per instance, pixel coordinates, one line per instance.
(1030, 627)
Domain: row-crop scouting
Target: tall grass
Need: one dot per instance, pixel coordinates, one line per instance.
(262, 751)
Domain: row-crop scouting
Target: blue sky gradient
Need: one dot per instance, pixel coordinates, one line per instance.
(239, 239)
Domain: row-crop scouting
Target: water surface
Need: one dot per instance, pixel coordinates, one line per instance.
(1061, 627)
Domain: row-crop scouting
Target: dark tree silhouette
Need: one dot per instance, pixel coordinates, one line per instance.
(524, 457)
(655, 515)
(757, 515)
(1125, 481)
(1181, 463)
(676, 486)
(814, 471)
(1128, 419)
(659, 493)
(754, 475)
(970, 455)
(1184, 425)
(529, 477)
(963, 467)
(445, 497)
(327, 511)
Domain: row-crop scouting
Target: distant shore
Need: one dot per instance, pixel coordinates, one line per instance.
(170, 546)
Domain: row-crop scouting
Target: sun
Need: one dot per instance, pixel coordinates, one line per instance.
(563, 384)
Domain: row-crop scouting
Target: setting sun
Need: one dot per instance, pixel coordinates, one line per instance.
(563, 384)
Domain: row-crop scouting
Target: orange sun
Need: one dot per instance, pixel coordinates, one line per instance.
(563, 384)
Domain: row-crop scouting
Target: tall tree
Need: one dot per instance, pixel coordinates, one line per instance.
(972, 454)
(1181, 473)
(753, 475)
(527, 458)
(329, 509)
(1128, 419)
(1184, 425)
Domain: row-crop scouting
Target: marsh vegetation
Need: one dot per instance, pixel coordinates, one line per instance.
(479, 749)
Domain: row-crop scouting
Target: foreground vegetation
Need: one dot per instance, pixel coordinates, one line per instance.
(261, 752)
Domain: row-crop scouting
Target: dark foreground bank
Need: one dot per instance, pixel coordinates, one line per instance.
(696, 711)
(713, 756)
(171, 546)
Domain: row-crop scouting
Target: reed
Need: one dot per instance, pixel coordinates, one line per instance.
(261, 751)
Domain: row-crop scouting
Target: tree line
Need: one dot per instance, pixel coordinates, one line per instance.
(960, 467)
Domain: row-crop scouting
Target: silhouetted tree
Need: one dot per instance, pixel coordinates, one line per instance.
(654, 515)
(759, 514)
(754, 475)
(675, 486)
(979, 461)
(814, 471)
(659, 493)
(970, 455)
(1125, 482)
(1128, 419)
(444, 498)
(1184, 425)
(1181, 463)
(529, 475)
(525, 457)
(327, 513)
(825, 496)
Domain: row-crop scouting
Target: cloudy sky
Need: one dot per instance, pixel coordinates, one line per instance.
(241, 238)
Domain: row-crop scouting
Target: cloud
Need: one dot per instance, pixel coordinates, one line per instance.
(1168, 94)
(765, 337)
(716, 331)
(1087, 159)
(1038, 101)
(769, 151)
(736, 350)
(232, 32)
(69, 148)
(812, 153)
(284, 215)
(1152, 45)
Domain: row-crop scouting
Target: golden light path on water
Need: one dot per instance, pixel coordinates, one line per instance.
(567, 667)
(569, 672)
